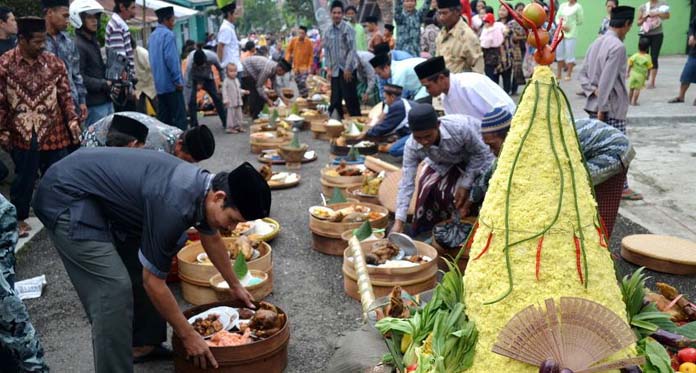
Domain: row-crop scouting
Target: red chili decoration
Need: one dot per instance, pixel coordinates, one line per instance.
(602, 241)
(488, 244)
(538, 257)
(577, 257)
(471, 236)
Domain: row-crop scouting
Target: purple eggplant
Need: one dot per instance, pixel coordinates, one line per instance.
(632, 369)
(672, 340)
(549, 366)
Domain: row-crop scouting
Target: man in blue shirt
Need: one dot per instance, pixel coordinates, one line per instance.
(393, 127)
(166, 70)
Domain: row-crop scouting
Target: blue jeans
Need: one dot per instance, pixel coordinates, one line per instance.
(97, 112)
(397, 148)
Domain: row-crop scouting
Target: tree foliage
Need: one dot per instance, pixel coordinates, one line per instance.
(266, 15)
(24, 8)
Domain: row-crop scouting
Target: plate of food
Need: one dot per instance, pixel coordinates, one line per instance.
(214, 320)
(280, 180)
(246, 227)
(322, 212)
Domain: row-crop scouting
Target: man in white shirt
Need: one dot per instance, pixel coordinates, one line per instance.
(228, 43)
(471, 94)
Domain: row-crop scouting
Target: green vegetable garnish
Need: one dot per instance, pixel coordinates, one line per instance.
(353, 154)
(363, 232)
(240, 267)
(295, 143)
(337, 197)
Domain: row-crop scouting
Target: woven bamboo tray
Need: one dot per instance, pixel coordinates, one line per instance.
(660, 253)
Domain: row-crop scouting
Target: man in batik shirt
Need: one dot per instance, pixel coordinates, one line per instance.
(37, 113)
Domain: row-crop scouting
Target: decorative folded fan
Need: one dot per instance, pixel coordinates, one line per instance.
(585, 334)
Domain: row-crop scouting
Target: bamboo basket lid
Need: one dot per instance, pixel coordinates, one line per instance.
(660, 253)
(377, 165)
(389, 189)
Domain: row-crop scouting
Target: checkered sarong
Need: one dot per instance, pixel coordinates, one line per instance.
(301, 80)
(608, 199)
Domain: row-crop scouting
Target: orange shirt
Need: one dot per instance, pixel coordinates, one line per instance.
(300, 54)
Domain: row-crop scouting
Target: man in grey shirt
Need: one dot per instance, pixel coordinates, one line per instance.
(97, 197)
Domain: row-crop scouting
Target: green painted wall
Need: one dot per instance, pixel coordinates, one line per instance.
(675, 28)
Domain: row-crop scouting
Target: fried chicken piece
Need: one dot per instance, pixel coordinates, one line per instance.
(267, 320)
(266, 172)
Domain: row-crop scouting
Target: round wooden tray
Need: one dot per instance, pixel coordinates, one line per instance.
(261, 159)
(275, 185)
(660, 253)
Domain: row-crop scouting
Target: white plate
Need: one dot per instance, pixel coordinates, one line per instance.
(310, 154)
(314, 209)
(228, 316)
(262, 228)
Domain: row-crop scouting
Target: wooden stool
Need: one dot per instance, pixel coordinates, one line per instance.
(660, 253)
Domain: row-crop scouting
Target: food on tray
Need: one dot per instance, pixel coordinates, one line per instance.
(229, 339)
(380, 252)
(364, 144)
(244, 227)
(294, 118)
(344, 170)
(418, 259)
(353, 130)
(284, 178)
(207, 326)
(245, 313)
(370, 185)
(242, 245)
(266, 172)
(203, 259)
(334, 122)
(301, 100)
(396, 307)
(267, 320)
(375, 215)
(321, 212)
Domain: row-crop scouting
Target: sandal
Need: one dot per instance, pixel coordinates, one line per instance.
(677, 100)
(231, 131)
(157, 353)
(630, 195)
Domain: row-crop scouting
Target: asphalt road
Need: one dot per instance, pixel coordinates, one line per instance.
(308, 285)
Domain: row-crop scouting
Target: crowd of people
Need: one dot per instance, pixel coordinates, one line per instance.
(59, 92)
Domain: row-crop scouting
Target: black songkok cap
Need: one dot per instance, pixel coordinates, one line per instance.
(393, 89)
(199, 142)
(284, 64)
(165, 12)
(129, 126)
(28, 25)
(623, 12)
(430, 67)
(249, 45)
(249, 192)
(380, 60)
(389, 27)
(381, 48)
(371, 19)
(48, 4)
(444, 4)
(422, 117)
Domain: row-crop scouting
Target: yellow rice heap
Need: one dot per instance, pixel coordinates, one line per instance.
(534, 198)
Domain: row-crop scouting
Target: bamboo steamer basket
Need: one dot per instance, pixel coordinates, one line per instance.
(259, 144)
(269, 355)
(290, 154)
(327, 235)
(340, 180)
(195, 278)
(334, 131)
(258, 291)
(413, 280)
(354, 193)
(347, 235)
(327, 188)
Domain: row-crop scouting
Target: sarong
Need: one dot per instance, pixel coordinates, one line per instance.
(435, 198)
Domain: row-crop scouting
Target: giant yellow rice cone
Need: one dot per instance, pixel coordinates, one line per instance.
(540, 186)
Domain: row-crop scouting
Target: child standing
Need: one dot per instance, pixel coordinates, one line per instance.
(639, 65)
(232, 98)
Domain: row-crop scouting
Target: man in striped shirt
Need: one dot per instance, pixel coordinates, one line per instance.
(118, 38)
(257, 71)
